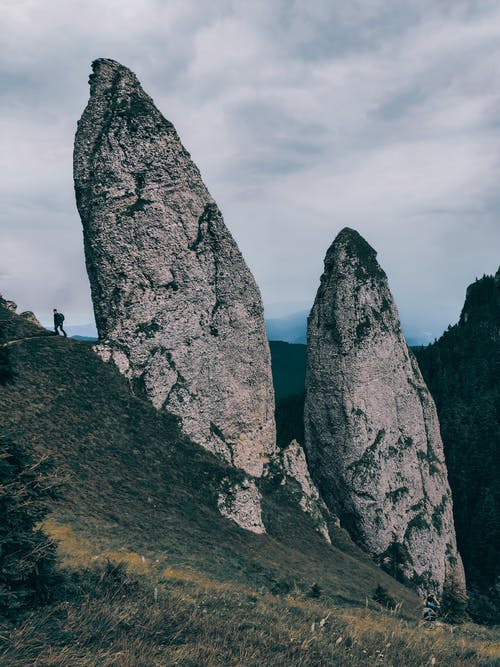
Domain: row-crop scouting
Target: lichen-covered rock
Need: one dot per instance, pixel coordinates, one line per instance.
(11, 305)
(294, 465)
(241, 502)
(177, 309)
(372, 433)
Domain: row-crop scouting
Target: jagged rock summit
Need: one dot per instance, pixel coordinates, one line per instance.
(372, 432)
(177, 309)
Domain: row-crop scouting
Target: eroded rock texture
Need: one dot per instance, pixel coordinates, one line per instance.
(241, 502)
(294, 466)
(372, 433)
(176, 307)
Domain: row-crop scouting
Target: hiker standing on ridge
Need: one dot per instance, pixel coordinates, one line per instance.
(58, 322)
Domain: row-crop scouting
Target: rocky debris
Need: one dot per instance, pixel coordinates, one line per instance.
(177, 309)
(241, 502)
(31, 317)
(372, 433)
(294, 465)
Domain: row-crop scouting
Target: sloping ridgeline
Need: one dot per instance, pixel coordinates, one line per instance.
(138, 485)
(462, 370)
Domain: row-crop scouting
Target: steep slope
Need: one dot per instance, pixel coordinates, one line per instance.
(462, 372)
(177, 309)
(137, 488)
(371, 429)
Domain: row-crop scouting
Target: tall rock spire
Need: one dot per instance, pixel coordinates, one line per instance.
(372, 433)
(176, 307)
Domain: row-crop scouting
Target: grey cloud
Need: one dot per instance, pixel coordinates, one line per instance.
(303, 117)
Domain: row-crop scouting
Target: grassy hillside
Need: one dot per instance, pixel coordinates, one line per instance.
(136, 484)
(194, 622)
(141, 493)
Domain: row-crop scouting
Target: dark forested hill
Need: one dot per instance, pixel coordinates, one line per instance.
(462, 370)
(289, 373)
(289, 368)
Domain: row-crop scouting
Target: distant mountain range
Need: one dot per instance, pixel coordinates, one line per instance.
(292, 328)
(288, 328)
(82, 331)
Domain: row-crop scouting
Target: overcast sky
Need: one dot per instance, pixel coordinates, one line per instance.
(304, 116)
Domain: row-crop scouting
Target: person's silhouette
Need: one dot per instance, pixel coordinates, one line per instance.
(58, 322)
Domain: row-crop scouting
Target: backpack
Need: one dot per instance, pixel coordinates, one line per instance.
(429, 614)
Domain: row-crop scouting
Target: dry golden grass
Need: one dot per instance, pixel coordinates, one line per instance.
(119, 623)
(115, 618)
(193, 619)
(76, 551)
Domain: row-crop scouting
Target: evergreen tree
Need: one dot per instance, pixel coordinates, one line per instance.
(290, 420)
(394, 560)
(454, 602)
(383, 597)
(6, 373)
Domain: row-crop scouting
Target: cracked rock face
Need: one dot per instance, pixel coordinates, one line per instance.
(177, 309)
(372, 433)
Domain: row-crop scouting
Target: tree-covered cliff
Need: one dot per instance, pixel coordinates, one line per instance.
(462, 370)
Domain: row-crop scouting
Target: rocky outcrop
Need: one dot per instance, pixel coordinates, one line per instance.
(241, 502)
(30, 317)
(372, 433)
(294, 466)
(176, 307)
